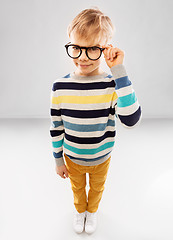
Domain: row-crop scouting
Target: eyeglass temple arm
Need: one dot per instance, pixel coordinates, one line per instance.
(67, 44)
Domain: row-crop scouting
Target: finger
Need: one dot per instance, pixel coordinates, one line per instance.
(109, 53)
(107, 46)
(62, 175)
(119, 51)
(116, 52)
(66, 174)
(112, 54)
(105, 53)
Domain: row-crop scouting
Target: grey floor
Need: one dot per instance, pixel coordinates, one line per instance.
(137, 203)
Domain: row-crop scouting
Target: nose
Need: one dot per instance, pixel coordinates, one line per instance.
(83, 55)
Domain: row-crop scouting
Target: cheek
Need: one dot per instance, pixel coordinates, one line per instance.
(74, 61)
(97, 62)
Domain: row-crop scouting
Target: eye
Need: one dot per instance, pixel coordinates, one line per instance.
(94, 48)
(75, 47)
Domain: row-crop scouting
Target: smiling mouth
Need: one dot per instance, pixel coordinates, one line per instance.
(84, 65)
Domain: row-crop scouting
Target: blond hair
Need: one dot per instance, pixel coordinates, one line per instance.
(91, 24)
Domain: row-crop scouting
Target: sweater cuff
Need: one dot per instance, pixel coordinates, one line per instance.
(118, 71)
(59, 161)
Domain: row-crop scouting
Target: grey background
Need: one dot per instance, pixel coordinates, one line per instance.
(35, 203)
(33, 35)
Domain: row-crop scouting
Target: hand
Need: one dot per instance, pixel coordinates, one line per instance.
(113, 56)
(61, 170)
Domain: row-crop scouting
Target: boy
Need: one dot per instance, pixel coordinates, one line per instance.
(84, 104)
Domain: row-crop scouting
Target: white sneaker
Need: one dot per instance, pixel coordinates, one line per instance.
(91, 222)
(78, 221)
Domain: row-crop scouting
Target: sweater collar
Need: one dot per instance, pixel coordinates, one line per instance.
(84, 77)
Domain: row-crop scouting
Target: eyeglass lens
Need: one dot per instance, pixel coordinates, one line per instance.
(93, 52)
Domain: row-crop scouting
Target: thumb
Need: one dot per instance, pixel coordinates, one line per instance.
(66, 173)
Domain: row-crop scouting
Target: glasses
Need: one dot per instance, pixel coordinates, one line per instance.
(74, 51)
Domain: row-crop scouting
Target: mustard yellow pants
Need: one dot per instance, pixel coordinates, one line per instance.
(97, 178)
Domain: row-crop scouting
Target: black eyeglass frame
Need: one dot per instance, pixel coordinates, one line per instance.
(86, 49)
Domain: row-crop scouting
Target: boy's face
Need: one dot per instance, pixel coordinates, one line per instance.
(84, 65)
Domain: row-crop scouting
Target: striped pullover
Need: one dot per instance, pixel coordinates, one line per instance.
(83, 114)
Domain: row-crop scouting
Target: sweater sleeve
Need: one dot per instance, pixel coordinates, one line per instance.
(128, 109)
(56, 128)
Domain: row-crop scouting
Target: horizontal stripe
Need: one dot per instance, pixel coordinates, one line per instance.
(132, 119)
(90, 140)
(56, 124)
(57, 144)
(55, 112)
(93, 134)
(85, 156)
(87, 113)
(83, 86)
(89, 151)
(55, 133)
(87, 159)
(84, 99)
(88, 127)
(86, 107)
(58, 155)
(82, 121)
(89, 145)
(122, 82)
(93, 92)
(127, 110)
(83, 113)
(124, 91)
(127, 100)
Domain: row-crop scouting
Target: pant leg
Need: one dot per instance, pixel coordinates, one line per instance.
(97, 178)
(77, 177)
